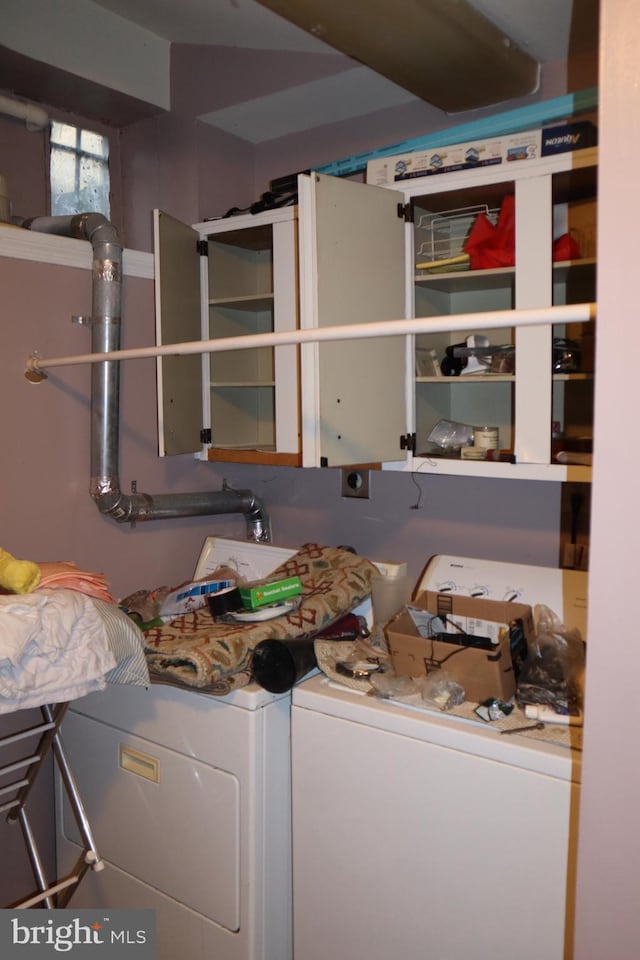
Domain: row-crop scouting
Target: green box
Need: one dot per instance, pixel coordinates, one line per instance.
(270, 591)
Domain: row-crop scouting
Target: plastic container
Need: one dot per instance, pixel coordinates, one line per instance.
(389, 595)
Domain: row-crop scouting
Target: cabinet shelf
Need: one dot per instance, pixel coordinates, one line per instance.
(219, 384)
(252, 302)
(499, 378)
(494, 279)
(475, 378)
(263, 456)
(488, 469)
(571, 377)
(562, 267)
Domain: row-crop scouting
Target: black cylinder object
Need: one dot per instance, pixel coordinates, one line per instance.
(223, 602)
(278, 664)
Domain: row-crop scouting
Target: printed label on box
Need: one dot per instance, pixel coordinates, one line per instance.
(452, 157)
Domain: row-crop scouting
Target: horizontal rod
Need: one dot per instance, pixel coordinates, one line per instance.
(493, 319)
(56, 888)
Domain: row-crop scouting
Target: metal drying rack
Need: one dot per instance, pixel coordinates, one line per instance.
(27, 766)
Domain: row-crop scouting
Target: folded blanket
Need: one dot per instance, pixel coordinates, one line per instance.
(53, 648)
(196, 651)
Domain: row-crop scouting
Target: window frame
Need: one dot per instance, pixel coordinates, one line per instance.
(79, 153)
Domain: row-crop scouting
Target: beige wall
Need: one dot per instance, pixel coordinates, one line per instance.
(608, 919)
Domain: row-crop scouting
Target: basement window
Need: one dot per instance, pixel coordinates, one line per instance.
(79, 171)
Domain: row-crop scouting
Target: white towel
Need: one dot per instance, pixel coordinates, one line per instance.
(53, 647)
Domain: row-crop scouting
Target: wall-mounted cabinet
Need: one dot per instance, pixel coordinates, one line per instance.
(329, 261)
(534, 222)
(228, 278)
(352, 253)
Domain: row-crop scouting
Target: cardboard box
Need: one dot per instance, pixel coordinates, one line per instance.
(457, 156)
(256, 595)
(565, 137)
(484, 656)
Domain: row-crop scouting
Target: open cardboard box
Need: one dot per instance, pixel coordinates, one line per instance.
(487, 669)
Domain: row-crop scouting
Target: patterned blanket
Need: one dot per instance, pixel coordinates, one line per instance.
(215, 657)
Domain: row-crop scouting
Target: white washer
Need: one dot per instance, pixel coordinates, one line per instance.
(418, 834)
(188, 797)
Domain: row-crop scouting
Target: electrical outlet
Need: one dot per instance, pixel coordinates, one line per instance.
(355, 483)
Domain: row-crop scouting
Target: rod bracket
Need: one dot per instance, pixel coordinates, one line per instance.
(33, 373)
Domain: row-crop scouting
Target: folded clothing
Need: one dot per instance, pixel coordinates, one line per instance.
(65, 575)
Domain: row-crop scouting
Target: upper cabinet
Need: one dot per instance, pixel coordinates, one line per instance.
(228, 278)
(519, 235)
(473, 242)
(334, 259)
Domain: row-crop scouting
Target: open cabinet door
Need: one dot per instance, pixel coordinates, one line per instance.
(352, 267)
(178, 320)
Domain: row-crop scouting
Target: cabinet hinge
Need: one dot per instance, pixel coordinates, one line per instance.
(205, 435)
(405, 212)
(408, 442)
(203, 248)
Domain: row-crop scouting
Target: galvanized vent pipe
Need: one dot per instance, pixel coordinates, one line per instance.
(105, 390)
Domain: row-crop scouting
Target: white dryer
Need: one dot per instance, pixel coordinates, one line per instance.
(188, 796)
(419, 834)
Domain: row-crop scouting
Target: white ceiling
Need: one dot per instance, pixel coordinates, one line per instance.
(544, 28)
(541, 27)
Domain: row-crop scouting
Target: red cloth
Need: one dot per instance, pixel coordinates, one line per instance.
(493, 245)
(566, 247)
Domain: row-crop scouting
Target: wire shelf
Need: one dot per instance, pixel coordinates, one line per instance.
(445, 233)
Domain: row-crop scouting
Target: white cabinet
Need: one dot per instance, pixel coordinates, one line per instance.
(537, 410)
(228, 278)
(334, 259)
(347, 254)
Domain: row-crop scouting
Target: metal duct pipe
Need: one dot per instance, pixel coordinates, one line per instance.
(105, 393)
(35, 118)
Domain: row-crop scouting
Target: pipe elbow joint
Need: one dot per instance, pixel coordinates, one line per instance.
(258, 525)
(95, 228)
(122, 508)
